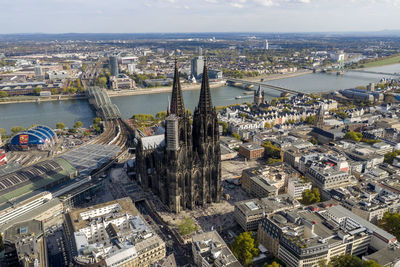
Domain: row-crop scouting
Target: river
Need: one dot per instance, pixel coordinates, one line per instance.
(70, 111)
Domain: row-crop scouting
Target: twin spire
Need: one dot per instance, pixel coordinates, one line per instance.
(177, 107)
(205, 105)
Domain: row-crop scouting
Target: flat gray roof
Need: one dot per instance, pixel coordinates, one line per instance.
(340, 211)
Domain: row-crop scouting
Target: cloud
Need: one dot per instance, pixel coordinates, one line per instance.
(237, 5)
(265, 2)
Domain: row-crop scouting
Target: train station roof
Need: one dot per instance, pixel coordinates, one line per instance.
(88, 157)
(31, 178)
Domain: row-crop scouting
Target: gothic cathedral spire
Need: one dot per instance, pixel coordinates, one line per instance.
(205, 105)
(177, 107)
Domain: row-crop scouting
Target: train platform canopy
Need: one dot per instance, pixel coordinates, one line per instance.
(38, 135)
(42, 175)
(89, 157)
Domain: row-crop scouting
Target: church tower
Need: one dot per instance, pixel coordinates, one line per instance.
(319, 118)
(206, 146)
(178, 145)
(259, 97)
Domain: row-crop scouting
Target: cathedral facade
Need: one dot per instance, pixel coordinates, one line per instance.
(183, 167)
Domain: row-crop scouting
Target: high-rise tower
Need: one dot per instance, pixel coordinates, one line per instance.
(114, 65)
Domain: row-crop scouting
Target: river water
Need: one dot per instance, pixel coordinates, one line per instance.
(70, 111)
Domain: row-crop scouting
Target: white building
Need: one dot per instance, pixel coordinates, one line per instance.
(296, 187)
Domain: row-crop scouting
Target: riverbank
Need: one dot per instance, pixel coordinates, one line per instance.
(382, 62)
(196, 86)
(142, 91)
(158, 90)
(279, 76)
(32, 99)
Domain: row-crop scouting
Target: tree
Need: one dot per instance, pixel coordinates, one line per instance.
(78, 124)
(72, 90)
(353, 136)
(371, 263)
(273, 264)
(101, 81)
(161, 115)
(3, 94)
(96, 120)
(188, 226)
(351, 261)
(390, 156)
(245, 248)
(271, 151)
(37, 90)
(314, 141)
(143, 117)
(310, 196)
(224, 125)
(346, 260)
(391, 223)
(3, 133)
(237, 136)
(310, 119)
(60, 125)
(54, 91)
(16, 129)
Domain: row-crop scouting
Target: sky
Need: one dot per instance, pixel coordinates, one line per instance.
(145, 16)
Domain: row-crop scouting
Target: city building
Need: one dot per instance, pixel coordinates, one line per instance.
(249, 213)
(266, 45)
(209, 249)
(158, 82)
(387, 257)
(114, 65)
(251, 151)
(39, 72)
(197, 67)
(231, 142)
(184, 167)
(348, 220)
(122, 81)
(112, 234)
(215, 74)
(21, 190)
(266, 181)
(325, 177)
(306, 238)
(58, 75)
(296, 187)
(24, 245)
(363, 95)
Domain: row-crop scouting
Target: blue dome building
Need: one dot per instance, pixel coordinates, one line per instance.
(40, 137)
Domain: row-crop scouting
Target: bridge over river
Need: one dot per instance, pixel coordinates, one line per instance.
(249, 84)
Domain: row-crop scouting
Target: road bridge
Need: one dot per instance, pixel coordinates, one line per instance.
(236, 82)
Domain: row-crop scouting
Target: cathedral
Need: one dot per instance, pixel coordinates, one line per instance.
(183, 165)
